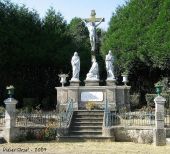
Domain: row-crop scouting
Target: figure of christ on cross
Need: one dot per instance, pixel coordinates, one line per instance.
(90, 23)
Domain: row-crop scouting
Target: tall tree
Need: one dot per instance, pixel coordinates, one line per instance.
(81, 44)
(139, 36)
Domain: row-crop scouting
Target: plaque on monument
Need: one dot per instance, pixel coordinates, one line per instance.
(92, 96)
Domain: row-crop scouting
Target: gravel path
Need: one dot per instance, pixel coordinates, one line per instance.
(82, 148)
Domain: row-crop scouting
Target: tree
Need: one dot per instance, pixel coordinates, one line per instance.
(32, 51)
(139, 36)
(19, 41)
(81, 44)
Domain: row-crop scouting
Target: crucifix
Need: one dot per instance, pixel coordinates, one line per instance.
(91, 24)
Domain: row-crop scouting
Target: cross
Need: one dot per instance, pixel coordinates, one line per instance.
(90, 23)
(93, 17)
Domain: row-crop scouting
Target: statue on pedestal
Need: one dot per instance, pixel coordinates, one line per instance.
(109, 66)
(94, 71)
(75, 62)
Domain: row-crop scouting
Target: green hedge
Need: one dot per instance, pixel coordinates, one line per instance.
(134, 100)
(150, 99)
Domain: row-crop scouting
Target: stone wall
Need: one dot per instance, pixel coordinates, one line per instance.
(28, 133)
(167, 132)
(21, 133)
(132, 134)
(115, 95)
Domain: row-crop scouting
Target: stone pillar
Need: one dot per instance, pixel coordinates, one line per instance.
(111, 97)
(10, 113)
(122, 96)
(159, 137)
(62, 98)
(127, 96)
(73, 94)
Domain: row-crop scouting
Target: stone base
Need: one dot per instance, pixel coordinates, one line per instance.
(159, 137)
(108, 132)
(91, 82)
(115, 95)
(74, 83)
(111, 82)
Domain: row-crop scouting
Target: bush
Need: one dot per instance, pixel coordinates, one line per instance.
(30, 135)
(122, 108)
(49, 134)
(150, 99)
(134, 100)
(90, 105)
(2, 109)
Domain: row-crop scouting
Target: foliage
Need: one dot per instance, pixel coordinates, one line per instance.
(81, 44)
(134, 100)
(139, 37)
(164, 83)
(147, 109)
(45, 134)
(90, 105)
(122, 108)
(30, 135)
(150, 99)
(34, 50)
(2, 109)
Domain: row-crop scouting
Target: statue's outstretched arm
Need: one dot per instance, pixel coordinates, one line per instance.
(84, 21)
(99, 22)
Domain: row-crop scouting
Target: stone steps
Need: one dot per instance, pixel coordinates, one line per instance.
(85, 120)
(88, 113)
(86, 124)
(86, 133)
(84, 138)
(86, 128)
(88, 116)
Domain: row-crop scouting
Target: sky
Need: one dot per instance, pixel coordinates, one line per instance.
(75, 8)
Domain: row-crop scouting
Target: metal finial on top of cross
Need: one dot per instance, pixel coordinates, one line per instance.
(91, 25)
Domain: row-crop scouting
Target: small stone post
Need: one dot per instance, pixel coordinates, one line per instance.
(159, 137)
(10, 114)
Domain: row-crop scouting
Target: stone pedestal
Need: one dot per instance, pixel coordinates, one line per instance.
(159, 137)
(91, 82)
(74, 83)
(115, 96)
(123, 96)
(111, 82)
(9, 133)
(159, 131)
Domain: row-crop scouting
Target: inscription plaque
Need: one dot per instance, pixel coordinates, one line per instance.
(92, 96)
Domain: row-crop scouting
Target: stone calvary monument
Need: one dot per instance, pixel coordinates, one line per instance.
(116, 96)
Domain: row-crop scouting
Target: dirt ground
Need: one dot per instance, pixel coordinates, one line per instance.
(82, 148)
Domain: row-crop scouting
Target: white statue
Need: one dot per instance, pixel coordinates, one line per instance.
(109, 66)
(92, 32)
(75, 62)
(94, 71)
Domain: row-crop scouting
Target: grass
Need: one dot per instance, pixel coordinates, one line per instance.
(88, 148)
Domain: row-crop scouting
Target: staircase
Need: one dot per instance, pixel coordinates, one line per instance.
(86, 125)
